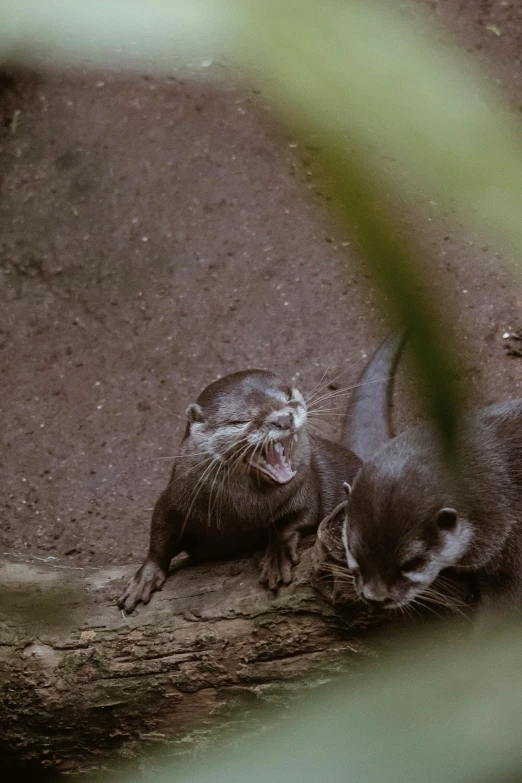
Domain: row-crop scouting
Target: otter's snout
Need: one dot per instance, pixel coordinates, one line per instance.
(283, 420)
(375, 596)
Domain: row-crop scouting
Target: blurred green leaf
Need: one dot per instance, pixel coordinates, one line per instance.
(444, 711)
(352, 70)
(157, 34)
(360, 69)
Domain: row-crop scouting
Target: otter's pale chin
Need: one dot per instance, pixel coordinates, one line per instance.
(274, 461)
(402, 603)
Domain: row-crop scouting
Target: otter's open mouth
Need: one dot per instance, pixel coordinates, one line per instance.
(274, 460)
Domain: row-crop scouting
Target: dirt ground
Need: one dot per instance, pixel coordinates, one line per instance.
(158, 233)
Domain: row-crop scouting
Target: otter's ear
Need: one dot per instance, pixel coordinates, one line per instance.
(194, 413)
(347, 489)
(447, 519)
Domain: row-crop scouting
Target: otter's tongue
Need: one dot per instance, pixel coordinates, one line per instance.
(274, 464)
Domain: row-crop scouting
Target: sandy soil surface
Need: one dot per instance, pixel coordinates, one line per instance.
(155, 234)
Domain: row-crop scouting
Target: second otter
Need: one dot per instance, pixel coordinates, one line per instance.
(409, 517)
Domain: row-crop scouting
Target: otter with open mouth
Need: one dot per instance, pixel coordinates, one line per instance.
(251, 474)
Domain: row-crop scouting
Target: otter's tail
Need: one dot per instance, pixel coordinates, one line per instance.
(367, 425)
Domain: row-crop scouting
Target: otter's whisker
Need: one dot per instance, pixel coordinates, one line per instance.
(327, 577)
(442, 600)
(262, 448)
(232, 464)
(227, 465)
(224, 489)
(339, 570)
(185, 470)
(312, 414)
(415, 611)
(326, 423)
(426, 607)
(346, 390)
(318, 387)
(309, 424)
(210, 506)
(200, 484)
(434, 590)
(153, 402)
(177, 456)
(435, 599)
(237, 458)
(449, 584)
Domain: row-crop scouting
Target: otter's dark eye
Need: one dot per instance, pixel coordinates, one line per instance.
(288, 391)
(447, 518)
(413, 564)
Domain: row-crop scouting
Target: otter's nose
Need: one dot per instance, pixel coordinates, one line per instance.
(375, 596)
(283, 421)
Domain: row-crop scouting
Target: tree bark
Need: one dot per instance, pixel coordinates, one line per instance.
(83, 684)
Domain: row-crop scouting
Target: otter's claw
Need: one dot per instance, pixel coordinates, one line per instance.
(277, 562)
(147, 579)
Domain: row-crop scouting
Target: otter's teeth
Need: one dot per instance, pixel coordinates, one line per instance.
(274, 462)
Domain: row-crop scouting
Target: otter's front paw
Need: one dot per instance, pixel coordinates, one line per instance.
(277, 563)
(146, 580)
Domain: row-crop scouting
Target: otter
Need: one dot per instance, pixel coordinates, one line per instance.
(410, 517)
(251, 474)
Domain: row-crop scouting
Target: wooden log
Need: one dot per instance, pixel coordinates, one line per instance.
(83, 684)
